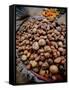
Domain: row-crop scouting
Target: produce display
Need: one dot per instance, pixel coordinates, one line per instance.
(41, 45)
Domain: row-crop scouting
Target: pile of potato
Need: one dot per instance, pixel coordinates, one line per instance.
(42, 47)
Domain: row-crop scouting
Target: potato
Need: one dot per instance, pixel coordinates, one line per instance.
(42, 72)
(42, 42)
(33, 63)
(24, 57)
(45, 65)
(47, 48)
(35, 46)
(53, 69)
(58, 60)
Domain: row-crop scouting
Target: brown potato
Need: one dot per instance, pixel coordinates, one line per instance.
(35, 46)
(42, 72)
(33, 63)
(24, 57)
(47, 49)
(42, 42)
(53, 69)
